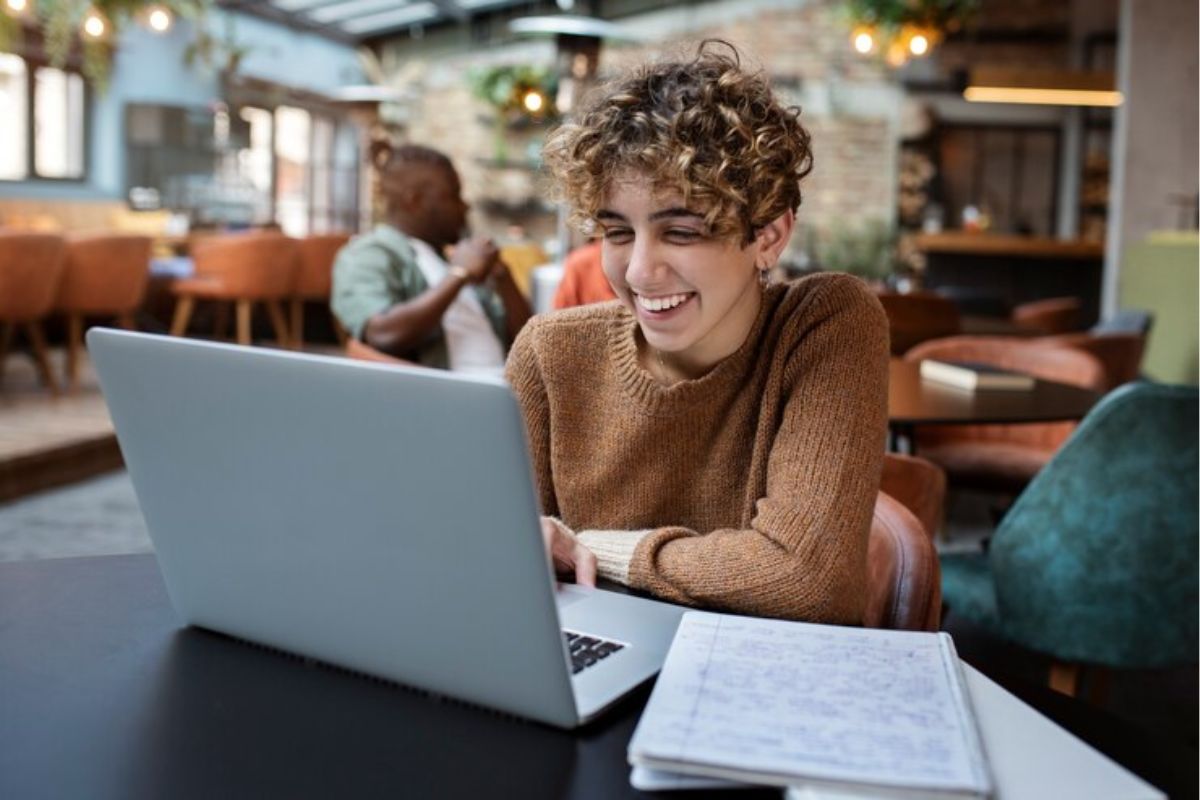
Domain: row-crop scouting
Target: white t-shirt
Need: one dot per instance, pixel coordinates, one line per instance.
(470, 340)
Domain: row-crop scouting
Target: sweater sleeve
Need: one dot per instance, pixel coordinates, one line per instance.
(524, 374)
(804, 554)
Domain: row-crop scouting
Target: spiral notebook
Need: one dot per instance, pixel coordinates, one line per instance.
(789, 703)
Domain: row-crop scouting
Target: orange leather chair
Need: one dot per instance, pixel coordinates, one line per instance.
(31, 266)
(1003, 457)
(904, 583)
(1050, 316)
(919, 485)
(314, 280)
(243, 268)
(917, 317)
(104, 276)
(1120, 353)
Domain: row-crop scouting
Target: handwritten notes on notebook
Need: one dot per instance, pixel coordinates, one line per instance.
(784, 703)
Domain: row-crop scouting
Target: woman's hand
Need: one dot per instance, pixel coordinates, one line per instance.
(567, 553)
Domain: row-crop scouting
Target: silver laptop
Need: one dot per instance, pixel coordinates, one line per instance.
(375, 517)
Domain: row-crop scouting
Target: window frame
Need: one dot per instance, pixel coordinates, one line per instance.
(32, 65)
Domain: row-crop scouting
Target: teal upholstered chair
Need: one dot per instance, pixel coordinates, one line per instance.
(1096, 562)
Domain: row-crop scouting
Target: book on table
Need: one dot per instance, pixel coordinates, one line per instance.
(972, 375)
(795, 704)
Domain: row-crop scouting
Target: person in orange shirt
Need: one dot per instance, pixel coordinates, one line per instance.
(583, 280)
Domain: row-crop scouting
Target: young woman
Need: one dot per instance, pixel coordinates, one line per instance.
(709, 437)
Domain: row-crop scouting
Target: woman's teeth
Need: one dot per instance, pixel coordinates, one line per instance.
(663, 303)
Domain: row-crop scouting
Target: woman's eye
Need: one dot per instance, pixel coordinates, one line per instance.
(617, 235)
(683, 235)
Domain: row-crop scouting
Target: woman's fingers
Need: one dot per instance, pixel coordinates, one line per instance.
(585, 565)
(567, 554)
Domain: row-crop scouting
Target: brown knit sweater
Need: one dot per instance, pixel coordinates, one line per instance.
(750, 489)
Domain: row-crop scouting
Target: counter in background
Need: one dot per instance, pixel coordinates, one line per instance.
(988, 274)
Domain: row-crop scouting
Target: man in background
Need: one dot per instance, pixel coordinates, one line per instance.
(394, 289)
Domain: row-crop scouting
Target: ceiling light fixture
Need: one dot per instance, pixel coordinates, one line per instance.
(1042, 87)
(1042, 97)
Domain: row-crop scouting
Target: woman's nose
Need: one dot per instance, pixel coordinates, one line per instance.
(642, 267)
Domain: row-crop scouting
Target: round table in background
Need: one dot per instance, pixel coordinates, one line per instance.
(913, 401)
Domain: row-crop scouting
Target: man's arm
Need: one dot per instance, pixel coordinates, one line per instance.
(402, 327)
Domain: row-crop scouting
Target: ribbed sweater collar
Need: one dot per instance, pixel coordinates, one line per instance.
(726, 375)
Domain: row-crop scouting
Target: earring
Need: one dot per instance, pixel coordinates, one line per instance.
(764, 277)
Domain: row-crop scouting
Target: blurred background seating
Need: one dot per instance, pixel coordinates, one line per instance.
(918, 317)
(1096, 562)
(31, 267)
(105, 276)
(1050, 316)
(244, 270)
(903, 576)
(1119, 353)
(314, 281)
(1002, 457)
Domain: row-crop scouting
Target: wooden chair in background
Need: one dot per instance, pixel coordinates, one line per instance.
(105, 275)
(1120, 353)
(243, 269)
(31, 266)
(314, 280)
(917, 317)
(1050, 316)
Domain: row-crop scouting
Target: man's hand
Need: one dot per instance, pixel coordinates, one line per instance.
(567, 553)
(478, 255)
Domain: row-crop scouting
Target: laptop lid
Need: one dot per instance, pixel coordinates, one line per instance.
(376, 517)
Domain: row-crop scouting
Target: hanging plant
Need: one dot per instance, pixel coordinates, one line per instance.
(516, 89)
(518, 93)
(95, 25)
(222, 52)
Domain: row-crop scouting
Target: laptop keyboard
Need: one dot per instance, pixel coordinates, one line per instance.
(587, 651)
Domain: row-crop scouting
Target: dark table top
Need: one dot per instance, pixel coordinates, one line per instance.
(103, 694)
(913, 401)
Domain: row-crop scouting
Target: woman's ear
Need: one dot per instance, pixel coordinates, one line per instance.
(773, 237)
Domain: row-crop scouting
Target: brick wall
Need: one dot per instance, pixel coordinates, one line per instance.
(803, 48)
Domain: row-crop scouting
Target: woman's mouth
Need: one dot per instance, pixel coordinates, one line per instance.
(661, 306)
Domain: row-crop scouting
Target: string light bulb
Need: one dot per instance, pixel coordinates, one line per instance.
(918, 45)
(17, 5)
(159, 19)
(533, 101)
(93, 25)
(863, 39)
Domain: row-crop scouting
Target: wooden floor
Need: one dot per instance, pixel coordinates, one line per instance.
(48, 440)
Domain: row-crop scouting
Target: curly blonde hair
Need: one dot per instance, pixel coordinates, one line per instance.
(704, 127)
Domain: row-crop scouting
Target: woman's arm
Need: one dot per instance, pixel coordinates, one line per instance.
(525, 376)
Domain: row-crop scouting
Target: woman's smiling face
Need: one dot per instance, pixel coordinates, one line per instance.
(695, 297)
